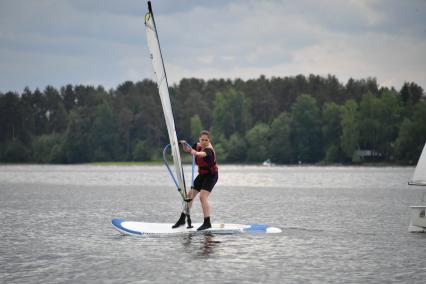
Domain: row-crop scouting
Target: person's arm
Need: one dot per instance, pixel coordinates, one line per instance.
(199, 154)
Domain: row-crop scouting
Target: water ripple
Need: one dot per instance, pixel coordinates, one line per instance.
(339, 225)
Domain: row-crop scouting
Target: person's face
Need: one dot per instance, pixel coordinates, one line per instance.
(204, 140)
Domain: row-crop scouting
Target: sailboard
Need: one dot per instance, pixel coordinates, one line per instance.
(144, 228)
(151, 229)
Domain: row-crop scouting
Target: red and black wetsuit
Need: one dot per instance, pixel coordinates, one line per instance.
(208, 172)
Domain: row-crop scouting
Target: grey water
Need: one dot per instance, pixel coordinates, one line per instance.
(340, 225)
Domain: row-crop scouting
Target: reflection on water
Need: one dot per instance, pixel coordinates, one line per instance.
(202, 245)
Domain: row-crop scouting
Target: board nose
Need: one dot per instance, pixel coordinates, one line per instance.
(117, 222)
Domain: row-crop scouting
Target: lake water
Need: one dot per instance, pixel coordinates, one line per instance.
(340, 225)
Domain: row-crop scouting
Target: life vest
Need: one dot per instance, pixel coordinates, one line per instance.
(206, 167)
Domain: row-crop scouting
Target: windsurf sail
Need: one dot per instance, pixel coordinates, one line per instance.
(419, 177)
(163, 89)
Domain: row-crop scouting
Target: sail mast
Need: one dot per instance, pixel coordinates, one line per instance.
(163, 89)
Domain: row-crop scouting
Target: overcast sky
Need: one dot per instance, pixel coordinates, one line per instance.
(102, 42)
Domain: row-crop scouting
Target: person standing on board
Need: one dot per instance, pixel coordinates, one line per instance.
(205, 158)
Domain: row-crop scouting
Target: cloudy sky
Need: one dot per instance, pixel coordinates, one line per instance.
(102, 42)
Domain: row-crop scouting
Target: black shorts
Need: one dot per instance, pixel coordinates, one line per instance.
(205, 182)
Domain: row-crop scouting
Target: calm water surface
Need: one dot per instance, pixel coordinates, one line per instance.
(340, 225)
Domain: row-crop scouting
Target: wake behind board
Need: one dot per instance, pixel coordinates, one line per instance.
(142, 228)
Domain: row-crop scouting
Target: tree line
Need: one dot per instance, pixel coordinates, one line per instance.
(300, 119)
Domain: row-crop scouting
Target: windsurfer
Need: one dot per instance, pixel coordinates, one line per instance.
(205, 158)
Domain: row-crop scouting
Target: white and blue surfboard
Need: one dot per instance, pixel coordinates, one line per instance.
(146, 229)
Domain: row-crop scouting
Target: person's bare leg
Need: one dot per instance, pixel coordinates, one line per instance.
(204, 195)
(192, 194)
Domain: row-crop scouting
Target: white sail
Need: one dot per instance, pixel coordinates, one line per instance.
(163, 89)
(419, 177)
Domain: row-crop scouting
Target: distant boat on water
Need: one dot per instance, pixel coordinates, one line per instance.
(418, 212)
(268, 163)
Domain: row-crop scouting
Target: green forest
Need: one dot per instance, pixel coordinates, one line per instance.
(289, 120)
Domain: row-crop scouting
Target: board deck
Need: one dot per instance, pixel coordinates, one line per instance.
(143, 228)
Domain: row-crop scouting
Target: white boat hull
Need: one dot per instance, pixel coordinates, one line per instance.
(417, 219)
